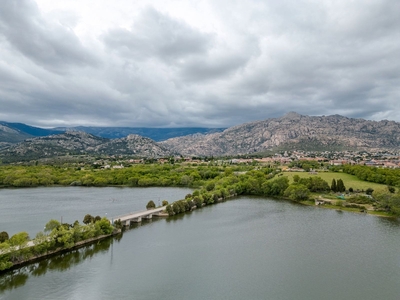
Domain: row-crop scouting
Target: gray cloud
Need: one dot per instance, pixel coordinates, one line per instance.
(155, 34)
(47, 43)
(252, 60)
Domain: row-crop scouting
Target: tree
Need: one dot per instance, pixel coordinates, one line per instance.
(296, 178)
(169, 210)
(340, 186)
(51, 225)
(64, 237)
(88, 219)
(210, 186)
(19, 239)
(3, 236)
(334, 186)
(198, 201)
(297, 192)
(151, 205)
(164, 202)
(104, 226)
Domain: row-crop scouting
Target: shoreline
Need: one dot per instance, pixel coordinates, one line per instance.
(59, 251)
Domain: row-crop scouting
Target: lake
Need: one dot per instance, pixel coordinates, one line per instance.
(244, 248)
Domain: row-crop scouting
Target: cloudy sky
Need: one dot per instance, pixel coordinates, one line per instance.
(211, 63)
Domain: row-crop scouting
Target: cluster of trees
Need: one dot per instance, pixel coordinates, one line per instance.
(254, 182)
(55, 236)
(387, 201)
(198, 199)
(307, 165)
(152, 205)
(137, 175)
(390, 177)
(338, 186)
(314, 183)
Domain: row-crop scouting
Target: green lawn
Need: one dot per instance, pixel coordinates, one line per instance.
(348, 180)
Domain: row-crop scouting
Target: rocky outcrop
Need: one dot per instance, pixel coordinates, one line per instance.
(134, 145)
(292, 130)
(71, 142)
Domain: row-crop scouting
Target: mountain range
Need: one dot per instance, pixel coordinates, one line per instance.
(291, 131)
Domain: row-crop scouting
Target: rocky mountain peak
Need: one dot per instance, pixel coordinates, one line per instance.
(292, 116)
(292, 131)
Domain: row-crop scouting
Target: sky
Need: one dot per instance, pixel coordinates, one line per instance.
(207, 63)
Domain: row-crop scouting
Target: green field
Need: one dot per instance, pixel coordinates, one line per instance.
(350, 181)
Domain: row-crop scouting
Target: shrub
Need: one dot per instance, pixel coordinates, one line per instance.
(361, 199)
(369, 191)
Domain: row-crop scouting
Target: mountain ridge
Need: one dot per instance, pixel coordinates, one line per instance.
(77, 143)
(291, 130)
(16, 132)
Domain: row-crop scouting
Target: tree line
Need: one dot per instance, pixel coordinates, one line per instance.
(390, 177)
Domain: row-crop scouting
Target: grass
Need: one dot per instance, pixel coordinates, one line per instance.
(350, 181)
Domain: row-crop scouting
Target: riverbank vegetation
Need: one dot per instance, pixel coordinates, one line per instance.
(56, 237)
(214, 181)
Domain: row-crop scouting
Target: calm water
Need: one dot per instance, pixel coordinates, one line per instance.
(247, 248)
(30, 209)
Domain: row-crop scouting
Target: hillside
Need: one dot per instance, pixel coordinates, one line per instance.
(75, 142)
(9, 135)
(156, 134)
(135, 145)
(292, 131)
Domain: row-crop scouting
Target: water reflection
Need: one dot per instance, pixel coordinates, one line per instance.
(389, 221)
(13, 281)
(61, 263)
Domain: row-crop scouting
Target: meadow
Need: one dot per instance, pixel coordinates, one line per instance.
(350, 181)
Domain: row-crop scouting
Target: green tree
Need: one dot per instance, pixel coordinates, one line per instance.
(104, 226)
(50, 225)
(151, 205)
(198, 201)
(296, 178)
(340, 186)
(169, 210)
(88, 219)
(3, 236)
(334, 186)
(19, 239)
(63, 236)
(164, 203)
(297, 192)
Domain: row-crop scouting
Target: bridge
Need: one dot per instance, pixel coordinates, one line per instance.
(136, 217)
